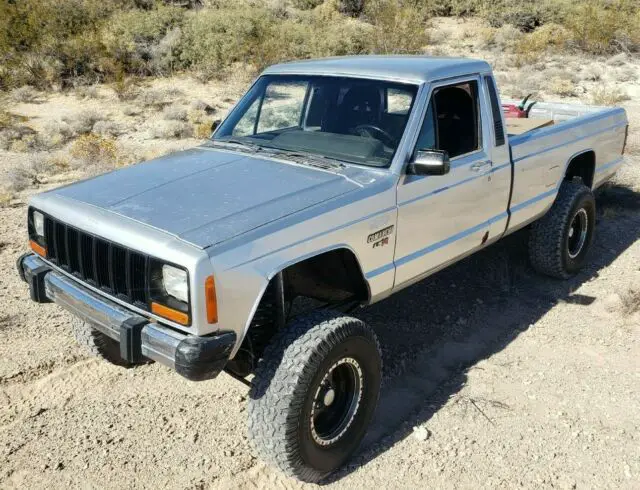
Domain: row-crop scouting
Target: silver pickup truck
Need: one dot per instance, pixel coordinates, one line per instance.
(331, 185)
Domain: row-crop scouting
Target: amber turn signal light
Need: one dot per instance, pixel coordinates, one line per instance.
(170, 313)
(37, 248)
(211, 300)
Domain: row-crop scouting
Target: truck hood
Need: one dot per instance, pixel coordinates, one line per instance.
(206, 196)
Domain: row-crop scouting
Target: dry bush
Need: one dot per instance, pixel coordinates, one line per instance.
(55, 134)
(174, 113)
(131, 110)
(201, 105)
(87, 92)
(171, 129)
(562, 87)
(25, 95)
(630, 300)
(619, 59)
(605, 95)
(83, 122)
(125, 88)
(108, 128)
(92, 149)
(202, 130)
(159, 98)
(625, 74)
(6, 196)
(592, 73)
(32, 173)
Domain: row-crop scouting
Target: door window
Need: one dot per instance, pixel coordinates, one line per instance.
(452, 122)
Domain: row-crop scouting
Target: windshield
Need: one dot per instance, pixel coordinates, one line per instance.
(348, 119)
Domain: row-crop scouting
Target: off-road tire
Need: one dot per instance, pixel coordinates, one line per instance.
(289, 377)
(549, 249)
(97, 343)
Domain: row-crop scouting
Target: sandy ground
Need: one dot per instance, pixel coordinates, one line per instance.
(494, 377)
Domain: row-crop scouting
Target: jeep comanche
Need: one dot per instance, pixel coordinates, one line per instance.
(331, 184)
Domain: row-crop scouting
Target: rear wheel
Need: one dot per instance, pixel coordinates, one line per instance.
(314, 394)
(560, 241)
(97, 343)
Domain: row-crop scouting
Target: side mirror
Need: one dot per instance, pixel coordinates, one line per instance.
(215, 124)
(429, 162)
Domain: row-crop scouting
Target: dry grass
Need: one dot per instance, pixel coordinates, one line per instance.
(605, 95)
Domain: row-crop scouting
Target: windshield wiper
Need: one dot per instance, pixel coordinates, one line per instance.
(312, 159)
(235, 141)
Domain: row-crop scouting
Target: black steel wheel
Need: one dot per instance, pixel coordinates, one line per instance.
(560, 241)
(314, 394)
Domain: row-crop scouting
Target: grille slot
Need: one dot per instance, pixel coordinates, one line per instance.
(99, 262)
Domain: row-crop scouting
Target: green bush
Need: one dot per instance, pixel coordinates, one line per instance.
(601, 27)
(144, 42)
(398, 27)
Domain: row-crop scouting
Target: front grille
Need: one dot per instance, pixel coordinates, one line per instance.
(114, 269)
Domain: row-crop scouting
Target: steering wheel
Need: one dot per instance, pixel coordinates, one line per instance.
(375, 132)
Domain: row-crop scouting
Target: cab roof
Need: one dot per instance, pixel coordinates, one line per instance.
(416, 69)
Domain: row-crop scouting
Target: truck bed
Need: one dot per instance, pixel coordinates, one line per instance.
(541, 155)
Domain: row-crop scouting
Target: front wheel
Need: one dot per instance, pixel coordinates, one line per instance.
(314, 394)
(560, 240)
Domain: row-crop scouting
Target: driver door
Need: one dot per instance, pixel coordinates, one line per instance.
(443, 217)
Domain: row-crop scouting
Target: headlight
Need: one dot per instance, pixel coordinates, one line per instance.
(175, 282)
(38, 223)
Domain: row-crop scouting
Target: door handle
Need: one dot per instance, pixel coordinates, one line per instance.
(481, 166)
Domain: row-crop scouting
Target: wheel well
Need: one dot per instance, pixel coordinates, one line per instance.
(332, 279)
(583, 166)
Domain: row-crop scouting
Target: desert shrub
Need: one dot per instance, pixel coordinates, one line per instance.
(213, 39)
(33, 172)
(93, 149)
(306, 4)
(174, 113)
(605, 26)
(107, 128)
(52, 41)
(202, 130)
(87, 92)
(591, 73)
(562, 87)
(399, 27)
(605, 95)
(24, 94)
(171, 129)
(525, 15)
(54, 134)
(144, 42)
(529, 48)
(83, 122)
(352, 8)
(159, 98)
(131, 110)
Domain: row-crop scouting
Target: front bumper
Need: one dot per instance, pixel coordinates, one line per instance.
(195, 358)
